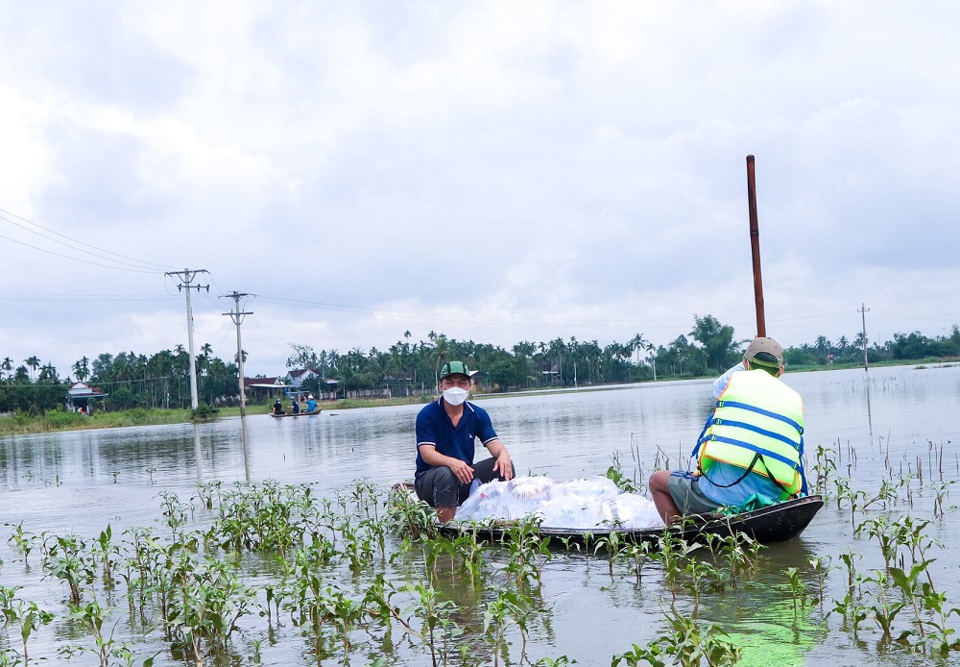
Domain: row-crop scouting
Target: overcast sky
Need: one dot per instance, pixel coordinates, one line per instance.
(494, 171)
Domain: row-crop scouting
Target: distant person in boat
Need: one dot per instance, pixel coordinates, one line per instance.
(750, 451)
(446, 434)
(311, 403)
(278, 407)
(295, 404)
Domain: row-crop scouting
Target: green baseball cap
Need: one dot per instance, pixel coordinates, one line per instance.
(454, 368)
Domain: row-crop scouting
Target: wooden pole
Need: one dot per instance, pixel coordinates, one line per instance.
(755, 245)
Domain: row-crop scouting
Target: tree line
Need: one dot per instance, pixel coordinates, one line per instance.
(408, 367)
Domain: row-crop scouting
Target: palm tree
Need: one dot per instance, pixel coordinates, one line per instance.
(822, 346)
(7, 365)
(637, 343)
(48, 374)
(34, 364)
(81, 369)
(440, 352)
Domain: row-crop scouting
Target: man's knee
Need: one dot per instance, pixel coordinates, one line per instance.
(439, 487)
(659, 481)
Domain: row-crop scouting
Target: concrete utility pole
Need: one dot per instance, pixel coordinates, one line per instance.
(863, 333)
(187, 277)
(237, 316)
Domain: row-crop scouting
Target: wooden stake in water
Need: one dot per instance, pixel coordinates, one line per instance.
(755, 245)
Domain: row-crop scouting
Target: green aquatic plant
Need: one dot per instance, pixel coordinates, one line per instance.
(175, 511)
(737, 551)
(92, 617)
(528, 550)
(408, 516)
(67, 560)
(613, 545)
(825, 464)
(20, 540)
(106, 552)
(887, 495)
(883, 609)
(941, 490)
(209, 599)
(639, 554)
(821, 567)
(463, 553)
(851, 609)
(615, 474)
(672, 553)
(686, 642)
(798, 589)
(509, 607)
(439, 629)
(26, 614)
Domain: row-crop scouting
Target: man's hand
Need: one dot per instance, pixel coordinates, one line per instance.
(463, 472)
(503, 465)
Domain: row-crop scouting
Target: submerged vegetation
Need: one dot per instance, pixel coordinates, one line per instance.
(235, 573)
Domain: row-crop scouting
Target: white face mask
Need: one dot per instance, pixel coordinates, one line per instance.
(455, 395)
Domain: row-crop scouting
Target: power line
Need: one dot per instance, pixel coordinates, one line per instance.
(77, 298)
(72, 243)
(76, 259)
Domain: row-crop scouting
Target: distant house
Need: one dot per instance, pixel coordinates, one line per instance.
(265, 386)
(80, 397)
(297, 377)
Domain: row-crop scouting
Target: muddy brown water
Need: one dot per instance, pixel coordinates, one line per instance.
(904, 418)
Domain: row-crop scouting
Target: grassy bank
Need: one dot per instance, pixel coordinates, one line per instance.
(22, 423)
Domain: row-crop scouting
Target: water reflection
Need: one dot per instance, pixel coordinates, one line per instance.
(198, 453)
(246, 447)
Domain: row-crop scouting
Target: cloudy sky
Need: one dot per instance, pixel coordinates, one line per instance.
(494, 171)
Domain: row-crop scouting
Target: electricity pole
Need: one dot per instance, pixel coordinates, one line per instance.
(237, 316)
(187, 277)
(863, 333)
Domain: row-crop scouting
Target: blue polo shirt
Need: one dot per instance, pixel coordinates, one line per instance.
(435, 428)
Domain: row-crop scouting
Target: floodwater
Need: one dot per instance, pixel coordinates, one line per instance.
(903, 419)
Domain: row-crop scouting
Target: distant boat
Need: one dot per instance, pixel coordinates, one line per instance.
(296, 414)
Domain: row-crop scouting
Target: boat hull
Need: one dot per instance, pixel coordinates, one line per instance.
(768, 525)
(296, 414)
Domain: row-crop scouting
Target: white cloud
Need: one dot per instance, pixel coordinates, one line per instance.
(492, 171)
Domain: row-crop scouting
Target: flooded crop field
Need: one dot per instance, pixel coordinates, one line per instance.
(277, 542)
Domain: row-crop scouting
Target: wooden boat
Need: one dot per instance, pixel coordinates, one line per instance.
(297, 414)
(768, 525)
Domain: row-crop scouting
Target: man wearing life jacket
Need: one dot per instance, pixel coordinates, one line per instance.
(751, 448)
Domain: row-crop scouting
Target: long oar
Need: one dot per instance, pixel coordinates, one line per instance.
(755, 245)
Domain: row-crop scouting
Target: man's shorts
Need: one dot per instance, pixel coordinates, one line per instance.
(684, 488)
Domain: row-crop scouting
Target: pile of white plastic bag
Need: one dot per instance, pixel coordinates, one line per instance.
(581, 504)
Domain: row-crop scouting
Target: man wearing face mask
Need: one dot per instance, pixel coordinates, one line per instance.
(446, 431)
